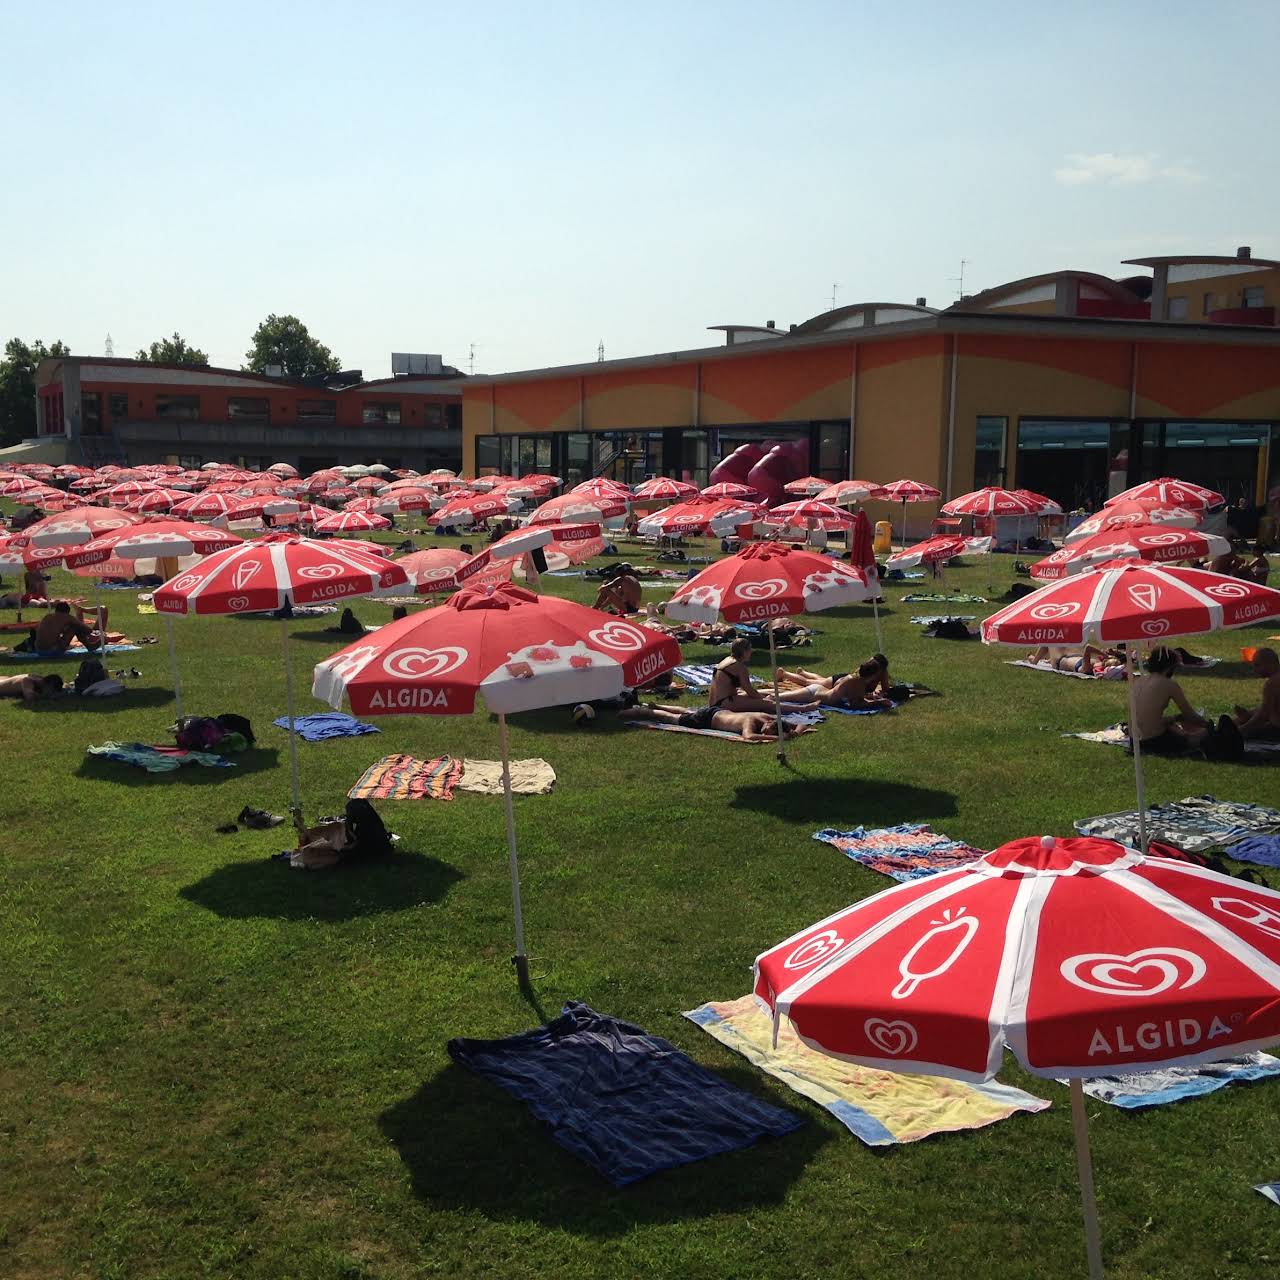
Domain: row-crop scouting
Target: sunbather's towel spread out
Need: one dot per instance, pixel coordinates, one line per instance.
(404, 778)
(326, 724)
(1117, 735)
(534, 777)
(879, 1107)
(1264, 850)
(905, 852)
(156, 759)
(628, 1103)
(1173, 1084)
(1194, 825)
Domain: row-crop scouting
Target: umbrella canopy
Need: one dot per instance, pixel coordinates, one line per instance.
(265, 573)
(728, 489)
(908, 491)
(578, 508)
(351, 522)
(993, 501)
(847, 492)
(119, 494)
(370, 484)
(24, 487)
(480, 507)
(396, 501)
(600, 487)
(936, 550)
(157, 539)
(1044, 506)
(806, 486)
(204, 506)
(1145, 542)
(660, 489)
(563, 544)
(701, 516)
(156, 500)
(444, 569)
(810, 513)
(1133, 511)
(283, 469)
(78, 525)
(1171, 493)
(1131, 601)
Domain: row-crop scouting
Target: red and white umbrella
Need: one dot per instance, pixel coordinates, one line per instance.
(350, 522)
(445, 569)
(24, 487)
(1143, 541)
(1171, 493)
(542, 478)
(936, 550)
(994, 501)
(118, 494)
(601, 487)
(849, 492)
(1131, 602)
(472, 510)
(80, 524)
(562, 544)
(577, 508)
(283, 469)
(155, 500)
(370, 484)
(660, 489)
(204, 506)
(265, 504)
(517, 650)
(398, 501)
(810, 513)
(1133, 511)
(1044, 506)
(1081, 956)
(728, 489)
(806, 486)
(905, 491)
(702, 516)
(763, 582)
(154, 540)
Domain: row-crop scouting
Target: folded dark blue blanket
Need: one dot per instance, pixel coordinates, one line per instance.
(628, 1103)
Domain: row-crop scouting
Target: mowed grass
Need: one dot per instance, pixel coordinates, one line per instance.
(211, 1065)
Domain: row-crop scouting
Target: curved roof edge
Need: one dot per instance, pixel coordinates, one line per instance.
(833, 318)
(1106, 284)
(1192, 259)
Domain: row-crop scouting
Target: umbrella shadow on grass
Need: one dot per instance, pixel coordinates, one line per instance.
(132, 697)
(469, 1146)
(255, 760)
(268, 888)
(844, 802)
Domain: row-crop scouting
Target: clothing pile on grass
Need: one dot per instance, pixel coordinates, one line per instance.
(198, 740)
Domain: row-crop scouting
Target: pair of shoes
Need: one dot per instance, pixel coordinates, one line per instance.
(258, 819)
(226, 829)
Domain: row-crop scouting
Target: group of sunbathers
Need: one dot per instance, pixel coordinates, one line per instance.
(736, 705)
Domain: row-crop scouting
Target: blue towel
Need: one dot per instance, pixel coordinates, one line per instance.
(79, 654)
(1271, 1190)
(628, 1103)
(1139, 1089)
(326, 724)
(1261, 849)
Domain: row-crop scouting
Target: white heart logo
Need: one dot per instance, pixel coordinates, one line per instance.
(236, 603)
(765, 589)
(319, 571)
(1160, 539)
(618, 635)
(1141, 973)
(1154, 626)
(424, 664)
(814, 949)
(1227, 591)
(1052, 612)
(894, 1038)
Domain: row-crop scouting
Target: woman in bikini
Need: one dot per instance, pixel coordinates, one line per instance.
(866, 687)
(1089, 661)
(732, 690)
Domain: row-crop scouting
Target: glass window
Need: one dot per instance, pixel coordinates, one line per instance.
(506, 448)
(1066, 460)
(248, 409)
(91, 413)
(317, 410)
(379, 413)
(487, 460)
(833, 451)
(190, 461)
(1209, 303)
(1255, 296)
(118, 405)
(577, 458)
(178, 408)
(695, 457)
(542, 456)
(434, 415)
(1175, 309)
(988, 452)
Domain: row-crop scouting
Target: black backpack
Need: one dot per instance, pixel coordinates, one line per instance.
(1225, 743)
(91, 672)
(950, 629)
(237, 724)
(369, 838)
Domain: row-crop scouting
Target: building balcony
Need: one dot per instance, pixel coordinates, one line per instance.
(1264, 316)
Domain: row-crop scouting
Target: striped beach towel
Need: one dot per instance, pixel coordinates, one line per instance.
(406, 778)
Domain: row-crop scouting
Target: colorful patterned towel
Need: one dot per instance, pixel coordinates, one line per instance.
(405, 778)
(157, 759)
(1194, 825)
(960, 597)
(78, 652)
(696, 675)
(1139, 1089)
(905, 852)
(879, 1107)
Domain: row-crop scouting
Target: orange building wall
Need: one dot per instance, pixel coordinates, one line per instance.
(1222, 382)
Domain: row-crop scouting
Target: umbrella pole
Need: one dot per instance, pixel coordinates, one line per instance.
(293, 733)
(904, 522)
(777, 697)
(875, 611)
(520, 959)
(1084, 1162)
(1130, 673)
(173, 667)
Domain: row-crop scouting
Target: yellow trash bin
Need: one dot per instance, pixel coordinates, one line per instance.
(883, 543)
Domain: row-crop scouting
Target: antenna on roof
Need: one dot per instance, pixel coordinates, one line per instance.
(600, 351)
(108, 347)
(471, 360)
(834, 287)
(959, 280)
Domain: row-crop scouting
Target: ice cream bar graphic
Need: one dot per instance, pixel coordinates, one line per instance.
(942, 946)
(1267, 919)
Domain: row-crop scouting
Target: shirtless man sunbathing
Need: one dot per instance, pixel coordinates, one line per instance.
(866, 687)
(29, 688)
(752, 726)
(731, 687)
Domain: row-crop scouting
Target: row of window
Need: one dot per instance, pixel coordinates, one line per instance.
(249, 410)
(1179, 308)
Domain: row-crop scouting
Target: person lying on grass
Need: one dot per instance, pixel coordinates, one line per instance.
(865, 688)
(30, 688)
(731, 687)
(1262, 723)
(1086, 661)
(752, 726)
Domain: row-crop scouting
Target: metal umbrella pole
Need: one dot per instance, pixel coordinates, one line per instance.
(1130, 673)
(296, 808)
(173, 667)
(1084, 1162)
(520, 959)
(777, 697)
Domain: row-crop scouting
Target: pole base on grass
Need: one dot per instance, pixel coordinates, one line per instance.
(521, 963)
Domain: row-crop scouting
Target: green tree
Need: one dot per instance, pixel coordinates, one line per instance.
(175, 350)
(284, 341)
(18, 386)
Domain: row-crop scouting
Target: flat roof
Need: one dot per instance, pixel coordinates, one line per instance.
(1193, 259)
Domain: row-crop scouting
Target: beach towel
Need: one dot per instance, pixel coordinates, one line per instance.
(1271, 1190)
(1194, 825)
(879, 1107)
(1264, 850)
(959, 597)
(932, 619)
(156, 759)
(1117, 735)
(696, 675)
(701, 733)
(908, 851)
(528, 777)
(404, 778)
(627, 1103)
(1116, 673)
(1136, 1090)
(326, 724)
(77, 651)
(145, 606)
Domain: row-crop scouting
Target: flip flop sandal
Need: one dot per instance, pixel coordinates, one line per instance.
(226, 829)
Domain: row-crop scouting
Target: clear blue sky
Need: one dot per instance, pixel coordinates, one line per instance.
(538, 178)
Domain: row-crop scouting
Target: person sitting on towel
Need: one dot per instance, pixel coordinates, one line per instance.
(731, 686)
(1157, 733)
(1262, 723)
(35, 585)
(753, 726)
(1259, 567)
(58, 628)
(620, 592)
(858, 690)
(30, 688)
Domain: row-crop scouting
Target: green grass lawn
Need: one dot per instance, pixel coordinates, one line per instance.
(211, 1065)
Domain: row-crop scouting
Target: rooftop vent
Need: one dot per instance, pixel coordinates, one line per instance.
(1244, 252)
(770, 324)
(920, 302)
